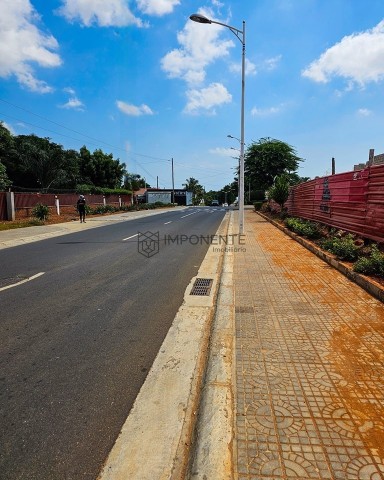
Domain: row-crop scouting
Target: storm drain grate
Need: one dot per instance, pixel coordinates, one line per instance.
(202, 286)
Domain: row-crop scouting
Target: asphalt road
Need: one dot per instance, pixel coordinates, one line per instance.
(78, 341)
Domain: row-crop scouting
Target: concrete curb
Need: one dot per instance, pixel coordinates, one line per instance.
(213, 451)
(368, 284)
(155, 441)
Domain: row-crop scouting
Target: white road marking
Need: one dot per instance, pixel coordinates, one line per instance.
(166, 223)
(188, 215)
(23, 281)
(132, 236)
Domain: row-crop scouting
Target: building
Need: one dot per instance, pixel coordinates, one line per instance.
(164, 195)
(372, 160)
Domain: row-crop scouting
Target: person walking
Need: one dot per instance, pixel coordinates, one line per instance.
(81, 202)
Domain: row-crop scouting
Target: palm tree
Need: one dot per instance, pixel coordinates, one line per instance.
(194, 186)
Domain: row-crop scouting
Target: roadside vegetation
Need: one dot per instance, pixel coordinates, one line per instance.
(41, 214)
(7, 225)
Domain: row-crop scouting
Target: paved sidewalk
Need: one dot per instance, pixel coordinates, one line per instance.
(309, 369)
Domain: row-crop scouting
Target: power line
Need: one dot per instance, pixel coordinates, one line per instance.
(96, 141)
(71, 130)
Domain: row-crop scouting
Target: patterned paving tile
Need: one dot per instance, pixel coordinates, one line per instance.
(309, 366)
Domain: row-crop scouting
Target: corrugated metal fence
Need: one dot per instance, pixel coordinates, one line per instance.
(29, 200)
(24, 202)
(3, 206)
(352, 201)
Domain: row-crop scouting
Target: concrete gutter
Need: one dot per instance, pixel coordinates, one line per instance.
(212, 457)
(155, 441)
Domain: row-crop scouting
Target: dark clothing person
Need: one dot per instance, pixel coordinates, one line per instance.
(81, 208)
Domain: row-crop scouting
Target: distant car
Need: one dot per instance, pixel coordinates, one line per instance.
(215, 203)
(225, 204)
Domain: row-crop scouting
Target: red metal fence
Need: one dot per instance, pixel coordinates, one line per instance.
(24, 202)
(29, 200)
(3, 206)
(352, 201)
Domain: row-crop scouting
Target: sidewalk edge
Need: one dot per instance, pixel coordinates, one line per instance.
(212, 453)
(154, 443)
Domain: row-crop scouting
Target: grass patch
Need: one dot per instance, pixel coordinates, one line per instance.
(21, 224)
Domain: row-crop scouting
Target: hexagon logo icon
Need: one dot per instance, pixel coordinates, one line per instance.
(148, 243)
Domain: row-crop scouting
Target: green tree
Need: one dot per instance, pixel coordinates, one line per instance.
(279, 191)
(4, 180)
(134, 181)
(41, 159)
(228, 194)
(9, 156)
(6, 143)
(34, 162)
(72, 169)
(194, 186)
(86, 166)
(100, 169)
(268, 158)
(295, 179)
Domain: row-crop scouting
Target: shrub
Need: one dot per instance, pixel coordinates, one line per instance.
(304, 228)
(279, 191)
(87, 189)
(40, 211)
(372, 265)
(101, 209)
(258, 205)
(344, 248)
(83, 189)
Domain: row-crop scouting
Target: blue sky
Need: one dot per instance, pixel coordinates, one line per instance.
(138, 79)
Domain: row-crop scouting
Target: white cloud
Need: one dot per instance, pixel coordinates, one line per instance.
(223, 152)
(104, 13)
(207, 98)
(216, 3)
(22, 43)
(358, 58)
(263, 112)
(271, 63)
(73, 102)
(364, 112)
(200, 45)
(250, 68)
(157, 7)
(133, 110)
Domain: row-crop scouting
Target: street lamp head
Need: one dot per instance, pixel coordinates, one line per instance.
(196, 17)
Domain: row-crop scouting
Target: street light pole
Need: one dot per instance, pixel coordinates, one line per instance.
(240, 34)
(173, 184)
(241, 199)
(238, 160)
